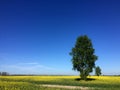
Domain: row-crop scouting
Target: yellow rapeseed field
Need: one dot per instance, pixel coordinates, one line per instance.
(34, 82)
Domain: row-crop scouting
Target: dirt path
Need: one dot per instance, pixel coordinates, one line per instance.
(65, 87)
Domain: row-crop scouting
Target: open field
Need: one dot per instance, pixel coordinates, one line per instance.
(36, 82)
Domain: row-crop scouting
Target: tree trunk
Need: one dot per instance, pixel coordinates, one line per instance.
(83, 76)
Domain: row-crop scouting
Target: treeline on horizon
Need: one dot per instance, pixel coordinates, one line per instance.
(4, 74)
(8, 74)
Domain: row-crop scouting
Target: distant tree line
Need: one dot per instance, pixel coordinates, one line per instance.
(4, 73)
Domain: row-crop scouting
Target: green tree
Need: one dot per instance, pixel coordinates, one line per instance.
(97, 71)
(83, 58)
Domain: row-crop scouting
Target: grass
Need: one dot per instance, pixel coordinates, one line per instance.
(34, 82)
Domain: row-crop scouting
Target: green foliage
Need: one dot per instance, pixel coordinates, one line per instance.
(97, 71)
(83, 58)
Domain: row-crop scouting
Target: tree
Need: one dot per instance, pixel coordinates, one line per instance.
(97, 71)
(83, 58)
(4, 73)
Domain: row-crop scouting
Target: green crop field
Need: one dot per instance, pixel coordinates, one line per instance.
(35, 82)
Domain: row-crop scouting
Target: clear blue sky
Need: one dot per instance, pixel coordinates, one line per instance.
(36, 36)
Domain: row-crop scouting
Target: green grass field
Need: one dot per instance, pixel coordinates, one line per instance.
(34, 82)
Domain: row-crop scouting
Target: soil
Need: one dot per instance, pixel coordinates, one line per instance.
(65, 87)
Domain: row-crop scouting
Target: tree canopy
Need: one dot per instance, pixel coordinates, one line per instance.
(83, 58)
(97, 71)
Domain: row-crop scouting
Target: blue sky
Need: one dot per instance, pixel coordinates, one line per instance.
(36, 36)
